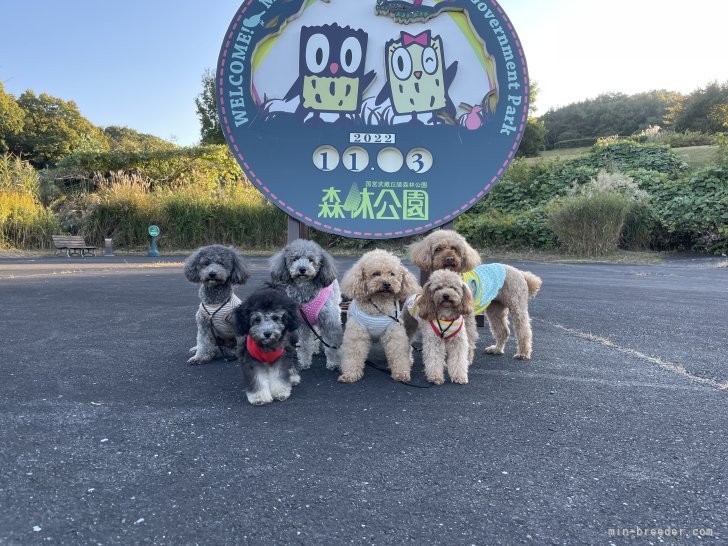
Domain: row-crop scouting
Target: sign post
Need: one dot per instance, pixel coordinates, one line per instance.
(153, 233)
(372, 119)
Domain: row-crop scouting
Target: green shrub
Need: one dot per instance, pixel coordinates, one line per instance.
(685, 140)
(499, 229)
(589, 224)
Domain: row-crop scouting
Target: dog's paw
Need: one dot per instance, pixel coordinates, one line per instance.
(471, 356)
(460, 379)
(436, 380)
(197, 360)
(280, 392)
(304, 366)
(260, 398)
(521, 356)
(349, 378)
(401, 377)
(295, 379)
(494, 350)
(332, 366)
(193, 349)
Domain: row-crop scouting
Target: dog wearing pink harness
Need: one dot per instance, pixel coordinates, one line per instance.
(308, 273)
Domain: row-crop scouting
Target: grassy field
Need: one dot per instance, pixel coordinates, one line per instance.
(696, 157)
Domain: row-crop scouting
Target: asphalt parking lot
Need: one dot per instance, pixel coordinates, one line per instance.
(618, 424)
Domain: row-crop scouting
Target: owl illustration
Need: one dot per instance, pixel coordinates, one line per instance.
(331, 74)
(417, 81)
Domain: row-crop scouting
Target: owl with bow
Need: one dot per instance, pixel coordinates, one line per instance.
(417, 80)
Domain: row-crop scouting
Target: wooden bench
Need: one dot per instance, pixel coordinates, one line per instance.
(72, 244)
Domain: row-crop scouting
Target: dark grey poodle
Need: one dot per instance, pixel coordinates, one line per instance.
(309, 275)
(217, 268)
(266, 324)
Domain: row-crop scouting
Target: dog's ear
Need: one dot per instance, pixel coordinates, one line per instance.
(241, 272)
(327, 270)
(278, 269)
(192, 271)
(471, 259)
(290, 317)
(426, 308)
(241, 319)
(467, 304)
(420, 254)
(353, 284)
(409, 283)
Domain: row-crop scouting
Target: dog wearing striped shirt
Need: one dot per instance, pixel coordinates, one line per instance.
(441, 311)
(216, 268)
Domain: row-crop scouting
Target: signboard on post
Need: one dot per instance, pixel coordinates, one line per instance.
(373, 118)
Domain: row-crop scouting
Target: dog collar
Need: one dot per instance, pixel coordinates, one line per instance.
(257, 352)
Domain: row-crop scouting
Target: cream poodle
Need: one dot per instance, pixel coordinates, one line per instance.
(441, 310)
(498, 289)
(379, 285)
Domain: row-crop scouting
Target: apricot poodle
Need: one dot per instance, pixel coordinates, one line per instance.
(379, 285)
(498, 289)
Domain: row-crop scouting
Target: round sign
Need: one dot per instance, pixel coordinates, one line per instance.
(153, 231)
(373, 118)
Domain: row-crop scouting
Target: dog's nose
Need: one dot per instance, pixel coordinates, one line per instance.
(301, 270)
(267, 334)
(386, 286)
(449, 260)
(446, 297)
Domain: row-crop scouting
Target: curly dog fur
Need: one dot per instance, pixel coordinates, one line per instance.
(447, 249)
(447, 299)
(305, 269)
(378, 284)
(216, 268)
(270, 319)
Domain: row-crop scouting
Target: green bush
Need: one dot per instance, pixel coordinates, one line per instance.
(589, 224)
(686, 139)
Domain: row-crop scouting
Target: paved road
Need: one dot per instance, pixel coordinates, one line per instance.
(107, 436)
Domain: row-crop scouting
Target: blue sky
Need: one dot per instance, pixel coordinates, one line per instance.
(139, 64)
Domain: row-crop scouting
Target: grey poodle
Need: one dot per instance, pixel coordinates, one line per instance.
(217, 268)
(309, 275)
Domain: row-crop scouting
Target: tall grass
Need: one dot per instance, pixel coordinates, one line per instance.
(188, 217)
(24, 221)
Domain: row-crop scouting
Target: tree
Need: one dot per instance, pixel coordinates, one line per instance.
(534, 135)
(705, 110)
(11, 119)
(206, 103)
(129, 140)
(54, 128)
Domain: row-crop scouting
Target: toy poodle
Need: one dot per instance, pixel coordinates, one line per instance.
(309, 275)
(217, 268)
(379, 285)
(266, 324)
(498, 289)
(441, 310)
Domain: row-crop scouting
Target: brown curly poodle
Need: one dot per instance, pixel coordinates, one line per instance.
(379, 285)
(504, 289)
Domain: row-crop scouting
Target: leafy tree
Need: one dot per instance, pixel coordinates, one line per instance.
(705, 109)
(11, 119)
(534, 135)
(54, 128)
(129, 140)
(609, 114)
(206, 104)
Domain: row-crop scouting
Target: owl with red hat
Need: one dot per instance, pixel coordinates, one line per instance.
(417, 80)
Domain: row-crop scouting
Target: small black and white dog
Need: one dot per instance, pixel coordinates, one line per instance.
(266, 326)
(216, 268)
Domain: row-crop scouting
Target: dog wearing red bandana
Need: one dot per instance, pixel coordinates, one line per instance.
(266, 326)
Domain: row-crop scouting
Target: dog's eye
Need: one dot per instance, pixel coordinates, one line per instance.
(438, 249)
(377, 274)
(275, 317)
(391, 273)
(256, 320)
